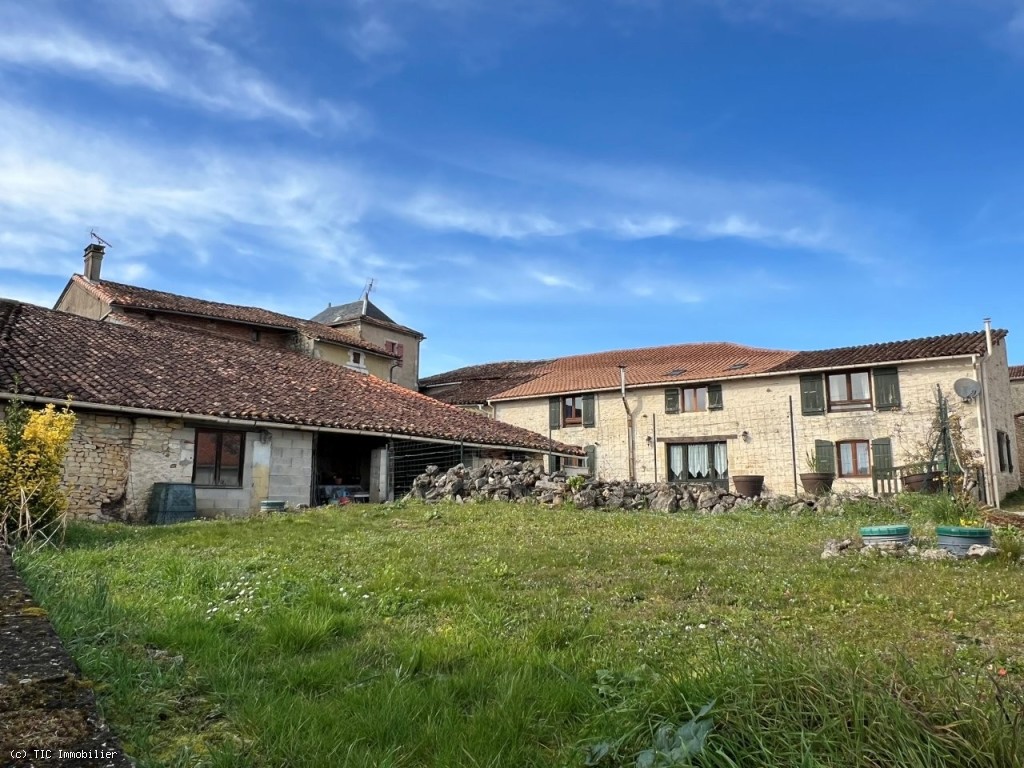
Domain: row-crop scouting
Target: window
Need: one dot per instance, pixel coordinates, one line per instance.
(698, 463)
(854, 458)
(571, 410)
(218, 459)
(396, 349)
(356, 359)
(707, 397)
(849, 391)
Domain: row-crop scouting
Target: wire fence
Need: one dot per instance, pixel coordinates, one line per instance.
(408, 459)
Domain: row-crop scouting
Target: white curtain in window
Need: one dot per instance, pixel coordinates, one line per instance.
(721, 460)
(675, 461)
(698, 461)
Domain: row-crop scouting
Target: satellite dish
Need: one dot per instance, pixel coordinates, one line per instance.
(968, 389)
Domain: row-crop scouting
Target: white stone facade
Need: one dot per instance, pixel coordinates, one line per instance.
(761, 435)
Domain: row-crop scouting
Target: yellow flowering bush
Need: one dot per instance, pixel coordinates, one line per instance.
(33, 445)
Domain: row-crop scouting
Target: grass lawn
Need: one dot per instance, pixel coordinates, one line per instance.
(497, 635)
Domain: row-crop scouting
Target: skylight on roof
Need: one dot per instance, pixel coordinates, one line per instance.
(737, 366)
(676, 372)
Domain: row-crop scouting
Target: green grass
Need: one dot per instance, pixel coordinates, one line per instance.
(494, 635)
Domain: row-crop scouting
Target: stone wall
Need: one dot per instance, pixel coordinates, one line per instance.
(999, 394)
(755, 425)
(114, 461)
(526, 482)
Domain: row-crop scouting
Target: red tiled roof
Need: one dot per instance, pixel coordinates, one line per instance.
(720, 360)
(147, 299)
(1016, 372)
(56, 354)
(476, 384)
(653, 365)
(951, 345)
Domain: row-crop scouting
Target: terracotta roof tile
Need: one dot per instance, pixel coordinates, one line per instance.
(476, 384)
(721, 360)
(951, 345)
(57, 354)
(1016, 372)
(653, 365)
(134, 297)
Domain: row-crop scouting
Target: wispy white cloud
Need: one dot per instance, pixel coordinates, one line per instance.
(441, 211)
(192, 69)
(372, 36)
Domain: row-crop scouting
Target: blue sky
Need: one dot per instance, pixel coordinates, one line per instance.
(530, 178)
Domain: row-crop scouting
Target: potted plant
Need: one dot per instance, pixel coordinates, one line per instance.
(815, 482)
(748, 485)
(921, 477)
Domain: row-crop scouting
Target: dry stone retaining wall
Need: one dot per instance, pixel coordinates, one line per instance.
(526, 482)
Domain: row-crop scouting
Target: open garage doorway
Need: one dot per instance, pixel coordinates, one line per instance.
(348, 468)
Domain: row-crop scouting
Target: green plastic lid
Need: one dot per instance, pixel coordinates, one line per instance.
(967, 533)
(885, 530)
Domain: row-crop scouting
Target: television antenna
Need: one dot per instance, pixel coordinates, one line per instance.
(968, 389)
(99, 240)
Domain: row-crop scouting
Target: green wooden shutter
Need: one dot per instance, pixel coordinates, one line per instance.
(881, 453)
(592, 459)
(812, 394)
(672, 400)
(887, 389)
(714, 397)
(824, 456)
(555, 412)
(1001, 445)
(588, 410)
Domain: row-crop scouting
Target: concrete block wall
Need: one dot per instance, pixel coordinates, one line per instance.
(759, 407)
(291, 466)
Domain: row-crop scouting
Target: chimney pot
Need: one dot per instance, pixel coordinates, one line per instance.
(93, 261)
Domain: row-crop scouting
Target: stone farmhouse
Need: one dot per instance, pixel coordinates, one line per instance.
(708, 412)
(241, 420)
(359, 335)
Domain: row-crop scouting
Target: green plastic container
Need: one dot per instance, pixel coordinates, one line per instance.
(172, 503)
(879, 534)
(958, 539)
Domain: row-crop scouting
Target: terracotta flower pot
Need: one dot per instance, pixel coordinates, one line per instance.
(748, 485)
(817, 483)
(922, 482)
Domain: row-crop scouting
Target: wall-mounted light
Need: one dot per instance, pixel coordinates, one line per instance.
(265, 436)
(745, 434)
(650, 439)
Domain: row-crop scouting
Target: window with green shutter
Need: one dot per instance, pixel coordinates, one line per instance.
(588, 411)
(555, 413)
(672, 400)
(714, 397)
(824, 457)
(812, 394)
(887, 389)
(881, 453)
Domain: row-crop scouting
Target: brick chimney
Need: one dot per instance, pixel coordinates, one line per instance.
(93, 261)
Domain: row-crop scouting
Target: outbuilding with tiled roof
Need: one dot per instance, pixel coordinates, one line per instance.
(237, 421)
